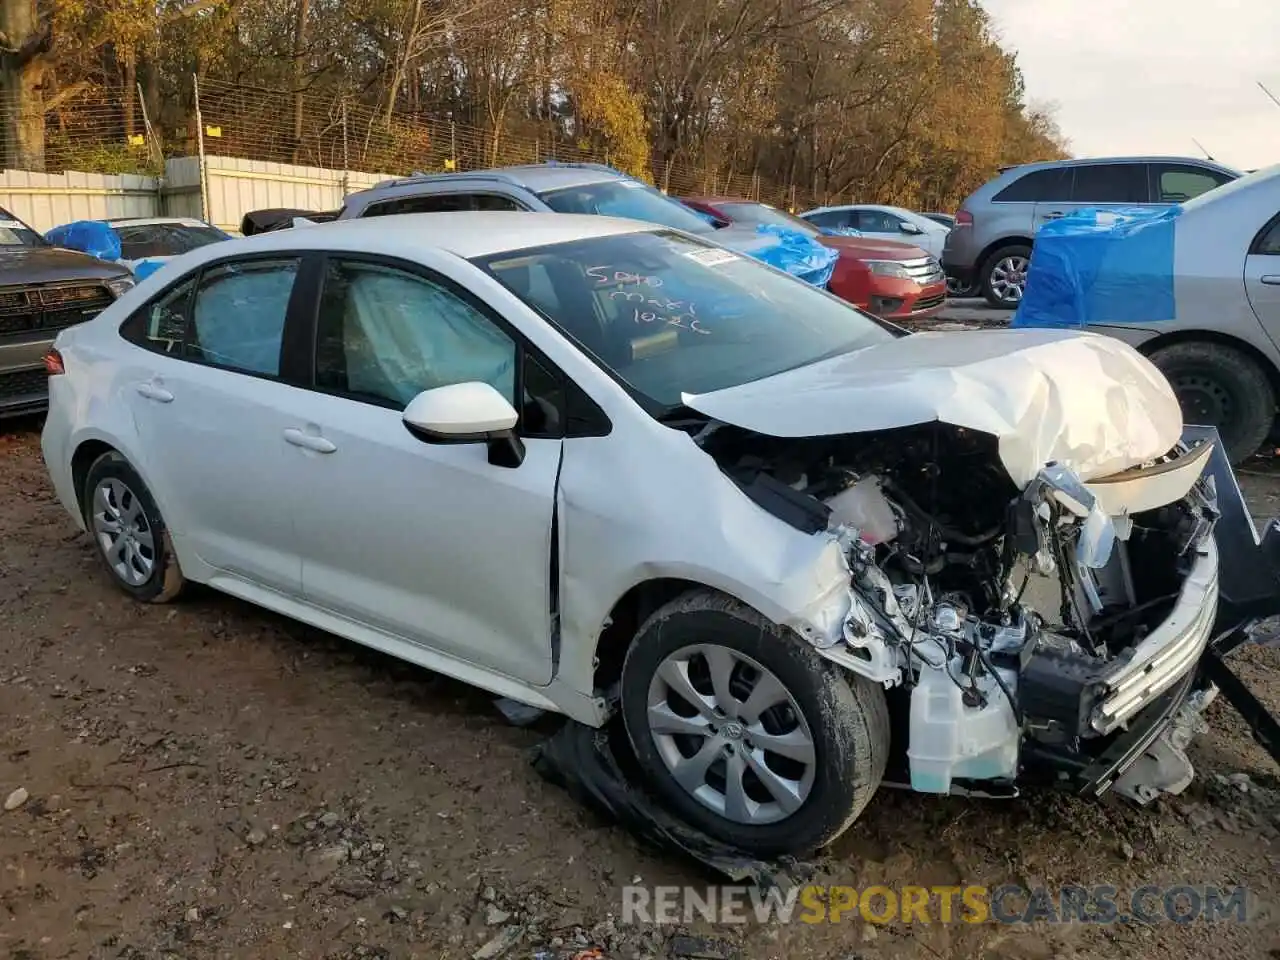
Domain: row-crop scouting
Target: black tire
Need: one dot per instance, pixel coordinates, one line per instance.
(1220, 386)
(846, 715)
(165, 580)
(985, 278)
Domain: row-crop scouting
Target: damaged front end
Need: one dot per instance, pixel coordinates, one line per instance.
(1046, 633)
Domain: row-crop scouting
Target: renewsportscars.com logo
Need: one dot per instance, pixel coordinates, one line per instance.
(1008, 904)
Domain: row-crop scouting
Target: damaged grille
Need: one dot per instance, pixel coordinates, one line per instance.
(51, 308)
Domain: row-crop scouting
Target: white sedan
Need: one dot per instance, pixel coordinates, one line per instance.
(883, 223)
(611, 469)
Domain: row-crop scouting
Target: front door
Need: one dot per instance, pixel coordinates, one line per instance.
(429, 542)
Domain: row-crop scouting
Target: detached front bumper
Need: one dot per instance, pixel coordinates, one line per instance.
(1149, 702)
(1169, 652)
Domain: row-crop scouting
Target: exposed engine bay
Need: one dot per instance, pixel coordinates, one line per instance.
(1009, 626)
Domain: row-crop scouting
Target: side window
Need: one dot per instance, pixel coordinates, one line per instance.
(1180, 182)
(384, 335)
(1111, 183)
(238, 315)
(876, 221)
(161, 326)
(1041, 186)
(832, 219)
(1268, 242)
(441, 203)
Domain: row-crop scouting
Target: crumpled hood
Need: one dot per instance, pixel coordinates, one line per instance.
(1089, 402)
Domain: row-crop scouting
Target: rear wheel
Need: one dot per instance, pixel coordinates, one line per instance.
(1004, 276)
(746, 732)
(1220, 386)
(129, 532)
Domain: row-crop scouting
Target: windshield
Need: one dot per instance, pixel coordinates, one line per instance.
(745, 212)
(626, 198)
(672, 315)
(15, 233)
(139, 241)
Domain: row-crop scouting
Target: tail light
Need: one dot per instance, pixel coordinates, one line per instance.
(53, 363)
(964, 219)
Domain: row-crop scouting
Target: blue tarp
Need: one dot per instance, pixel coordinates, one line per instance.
(88, 236)
(797, 254)
(1101, 266)
(145, 268)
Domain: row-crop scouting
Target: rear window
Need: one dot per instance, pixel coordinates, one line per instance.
(626, 198)
(139, 241)
(1040, 186)
(762, 213)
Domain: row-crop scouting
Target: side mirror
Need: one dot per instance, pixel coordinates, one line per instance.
(910, 228)
(471, 412)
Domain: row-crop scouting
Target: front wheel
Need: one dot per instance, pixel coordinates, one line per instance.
(1220, 386)
(746, 732)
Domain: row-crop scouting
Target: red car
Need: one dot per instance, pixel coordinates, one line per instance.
(893, 280)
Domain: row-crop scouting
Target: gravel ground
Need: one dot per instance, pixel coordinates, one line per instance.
(209, 780)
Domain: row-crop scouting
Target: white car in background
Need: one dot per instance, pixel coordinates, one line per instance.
(608, 468)
(883, 223)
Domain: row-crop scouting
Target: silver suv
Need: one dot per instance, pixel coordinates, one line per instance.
(990, 245)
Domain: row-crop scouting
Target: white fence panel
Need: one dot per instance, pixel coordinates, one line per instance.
(235, 187)
(45, 200)
(238, 186)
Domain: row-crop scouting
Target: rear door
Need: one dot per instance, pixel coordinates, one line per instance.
(212, 395)
(1262, 277)
(1012, 211)
(1097, 186)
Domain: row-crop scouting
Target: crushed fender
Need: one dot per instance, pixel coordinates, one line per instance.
(589, 764)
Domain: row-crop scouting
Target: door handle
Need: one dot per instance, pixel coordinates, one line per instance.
(309, 441)
(1055, 215)
(1271, 280)
(153, 392)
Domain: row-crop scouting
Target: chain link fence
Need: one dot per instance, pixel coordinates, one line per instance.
(97, 130)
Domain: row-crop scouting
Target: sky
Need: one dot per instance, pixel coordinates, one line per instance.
(1148, 76)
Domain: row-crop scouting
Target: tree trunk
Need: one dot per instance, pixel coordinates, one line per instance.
(401, 67)
(299, 72)
(23, 43)
(129, 78)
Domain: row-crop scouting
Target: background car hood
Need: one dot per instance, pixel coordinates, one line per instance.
(1090, 402)
(864, 248)
(51, 264)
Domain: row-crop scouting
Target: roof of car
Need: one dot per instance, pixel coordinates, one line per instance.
(537, 177)
(1083, 161)
(860, 206)
(466, 234)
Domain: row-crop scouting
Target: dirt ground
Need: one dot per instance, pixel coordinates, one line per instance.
(208, 780)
